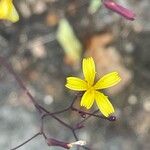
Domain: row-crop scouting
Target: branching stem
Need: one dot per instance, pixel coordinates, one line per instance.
(45, 113)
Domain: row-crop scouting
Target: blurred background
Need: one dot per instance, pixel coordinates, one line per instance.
(48, 44)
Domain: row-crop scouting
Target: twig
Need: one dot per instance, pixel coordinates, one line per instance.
(26, 141)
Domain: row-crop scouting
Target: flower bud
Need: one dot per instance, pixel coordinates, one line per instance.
(128, 14)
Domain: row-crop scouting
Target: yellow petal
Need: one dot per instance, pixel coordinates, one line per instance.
(8, 11)
(88, 67)
(108, 80)
(13, 15)
(103, 104)
(76, 84)
(88, 99)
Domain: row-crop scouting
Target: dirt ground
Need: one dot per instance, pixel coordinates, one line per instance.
(43, 65)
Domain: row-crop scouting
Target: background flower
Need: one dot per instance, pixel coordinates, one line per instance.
(8, 11)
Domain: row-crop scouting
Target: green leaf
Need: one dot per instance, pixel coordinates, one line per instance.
(68, 40)
(94, 6)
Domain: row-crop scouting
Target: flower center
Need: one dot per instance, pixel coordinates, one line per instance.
(91, 88)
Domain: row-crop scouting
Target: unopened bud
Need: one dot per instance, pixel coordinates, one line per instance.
(128, 14)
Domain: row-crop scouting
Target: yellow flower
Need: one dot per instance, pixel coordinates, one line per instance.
(8, 11)
(92, 89)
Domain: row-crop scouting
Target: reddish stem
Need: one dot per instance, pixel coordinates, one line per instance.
(26, 141)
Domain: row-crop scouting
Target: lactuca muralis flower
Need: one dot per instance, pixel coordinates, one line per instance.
(92, 89)
(8, 11)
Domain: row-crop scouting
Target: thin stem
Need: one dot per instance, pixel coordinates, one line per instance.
(59, 120)
(87, 113)
(81, 122)
(21, 84)
(59, 112)
(75, 136)
(26, 141)
(74, 99)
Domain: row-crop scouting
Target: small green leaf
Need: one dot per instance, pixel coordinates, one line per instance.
(68, 40)
(94, 6)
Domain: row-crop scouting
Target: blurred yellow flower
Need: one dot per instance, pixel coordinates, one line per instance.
(8, 11)
(92, 90)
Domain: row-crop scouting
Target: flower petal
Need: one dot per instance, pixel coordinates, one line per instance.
(88, 67)
(13, 15)
(88, 99)
(76, 84)
(8, 11)
(103, 104)
(108, 80)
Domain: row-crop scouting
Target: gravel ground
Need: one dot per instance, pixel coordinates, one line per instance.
(32, 49)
